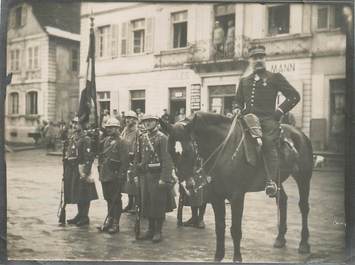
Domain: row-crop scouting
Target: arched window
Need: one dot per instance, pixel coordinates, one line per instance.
(32, 102)
(14, 103)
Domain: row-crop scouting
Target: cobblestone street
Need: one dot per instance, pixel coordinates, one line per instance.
(33, 193)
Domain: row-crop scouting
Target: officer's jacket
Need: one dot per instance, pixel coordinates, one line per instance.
(154, 156)
(258, 95)
(113, 159)
(78, 150)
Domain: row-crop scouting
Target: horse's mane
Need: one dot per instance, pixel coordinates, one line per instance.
(207, 118)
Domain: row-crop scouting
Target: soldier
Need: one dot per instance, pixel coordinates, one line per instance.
(113, 164)
(79, 186)
(131, 134)
(156, 167)
(257, 94)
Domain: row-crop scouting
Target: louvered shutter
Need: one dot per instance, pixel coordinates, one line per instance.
(114, 40)
(149, 35)
(124, 36)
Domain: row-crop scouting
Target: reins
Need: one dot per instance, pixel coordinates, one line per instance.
(219, 149)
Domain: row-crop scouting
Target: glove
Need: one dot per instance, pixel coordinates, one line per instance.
(278, 114)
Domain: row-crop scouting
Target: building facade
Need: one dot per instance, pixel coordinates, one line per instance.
(43, 43)
(188, 57)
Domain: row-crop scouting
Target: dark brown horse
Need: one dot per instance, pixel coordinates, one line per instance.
(232, 176)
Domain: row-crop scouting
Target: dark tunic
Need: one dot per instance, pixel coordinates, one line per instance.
(78, 151)
(113, 164)
(156, 165)
(131, 135)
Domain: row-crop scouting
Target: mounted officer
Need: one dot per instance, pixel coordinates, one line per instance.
(113, 164)
(155, 166)
(131, 134)
(257, 94)
(79, 186)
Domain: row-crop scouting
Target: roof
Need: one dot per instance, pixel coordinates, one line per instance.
(62, 34)
(56, 14)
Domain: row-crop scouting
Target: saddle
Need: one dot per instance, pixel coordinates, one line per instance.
(252, 143)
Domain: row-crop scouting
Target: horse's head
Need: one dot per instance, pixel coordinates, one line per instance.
(182, 148)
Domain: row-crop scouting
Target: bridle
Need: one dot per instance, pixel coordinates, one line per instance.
(217, 152)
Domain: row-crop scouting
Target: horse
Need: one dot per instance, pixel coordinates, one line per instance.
(232, 176)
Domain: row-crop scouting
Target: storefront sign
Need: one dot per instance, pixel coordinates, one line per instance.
(196, 97)
(283, 67)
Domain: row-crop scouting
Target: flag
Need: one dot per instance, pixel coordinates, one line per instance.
(88, 94)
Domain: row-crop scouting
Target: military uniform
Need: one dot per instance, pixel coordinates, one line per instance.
(79, 187)
(155, 164)
(113, 164)
(257, 94)
(131, 135)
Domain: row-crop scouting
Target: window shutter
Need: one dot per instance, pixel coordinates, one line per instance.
(124, 37)
(129, 38)
(23, 15)
(149, 35)
(114, 40)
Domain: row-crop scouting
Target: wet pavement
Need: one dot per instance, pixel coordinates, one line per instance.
(33, 184)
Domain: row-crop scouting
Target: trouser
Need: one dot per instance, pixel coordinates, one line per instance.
(271, 137)
(112, 195)
(155, 225)
(83, 209)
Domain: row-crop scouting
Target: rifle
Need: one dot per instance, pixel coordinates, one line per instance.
(61, 211)
(138, 209)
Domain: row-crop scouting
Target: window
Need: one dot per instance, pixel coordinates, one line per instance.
(221, 98)
(15, 60)
(329, 17)
(14, 103)
(138, 100)
(279, 19)
(179, 21)
(32, 58)
(223, 35)
(138, 27)
(18, 17)
(75, 60)
(31, 102)
(104, 41)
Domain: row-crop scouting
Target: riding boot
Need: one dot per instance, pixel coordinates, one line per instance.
(84, 218)
(194, 218)
(132, 209)
(201, 213)
(270, 158)
(157, 233)
(148, 235)
(74, 220)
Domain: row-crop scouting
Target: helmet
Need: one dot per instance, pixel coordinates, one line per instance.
(132, 114)
(112, 122)
(149, 117)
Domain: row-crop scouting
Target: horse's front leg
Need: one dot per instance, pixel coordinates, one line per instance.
(219, 209)
(281, 202)
(237, 206)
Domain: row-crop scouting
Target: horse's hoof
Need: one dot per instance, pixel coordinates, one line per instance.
(304, 248)
(237, 259)
(280, 243)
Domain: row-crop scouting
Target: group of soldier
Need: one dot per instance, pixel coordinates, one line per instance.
(133, 159)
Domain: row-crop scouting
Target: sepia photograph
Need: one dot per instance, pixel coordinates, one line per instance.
(177, 132)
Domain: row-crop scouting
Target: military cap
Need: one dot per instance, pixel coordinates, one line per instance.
(254, 50)
(132, 114)
(149, 117)
(112, 122)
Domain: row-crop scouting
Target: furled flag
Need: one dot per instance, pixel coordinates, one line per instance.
(88, 94)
